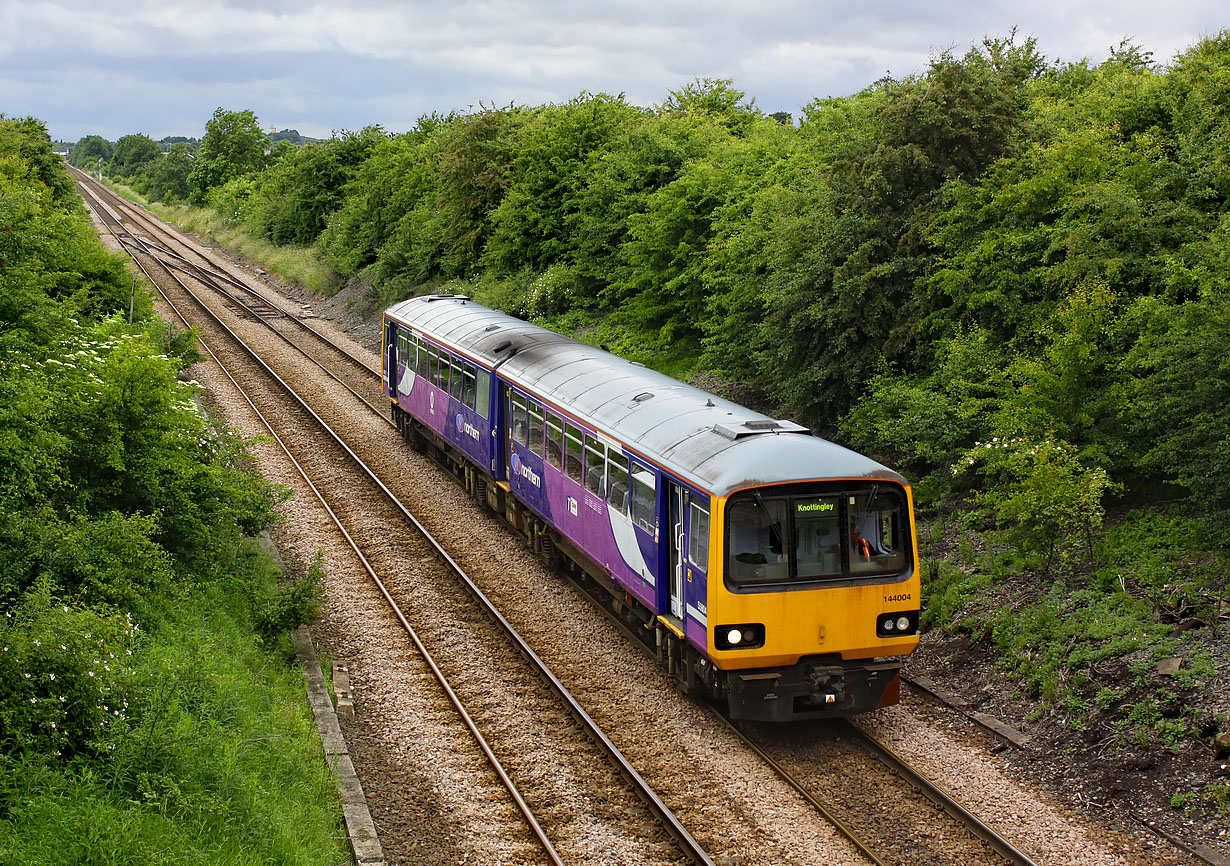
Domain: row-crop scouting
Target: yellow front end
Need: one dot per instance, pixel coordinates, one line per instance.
(824, 649)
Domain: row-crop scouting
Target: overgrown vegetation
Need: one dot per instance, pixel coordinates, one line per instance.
(1005, 276)
(147, 713)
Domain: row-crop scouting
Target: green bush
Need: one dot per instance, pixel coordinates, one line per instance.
(282, 607)
(65, 678)
(213, 759)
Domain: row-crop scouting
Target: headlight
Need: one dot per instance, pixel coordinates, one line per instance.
(897, 623)
(747, 636)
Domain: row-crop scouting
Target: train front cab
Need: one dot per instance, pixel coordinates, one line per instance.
(814, 597)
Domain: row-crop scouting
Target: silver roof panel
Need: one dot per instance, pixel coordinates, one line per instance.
(713, 443)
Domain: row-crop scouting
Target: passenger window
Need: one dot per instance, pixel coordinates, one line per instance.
(468, 392)
(644, 498)
(595, 466)
(517, 419)
(420, 362)
(555, 441)
(574, 459)
(432, 361)
(457, 386)
(535, 424)
(698, 537)
(482, 403)
(617, 480)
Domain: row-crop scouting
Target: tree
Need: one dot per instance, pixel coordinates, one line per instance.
(556, 150)
(88, 151)
(848, 294)
(233, 146)
(1180, 411)
(166, 178)
(26, 139)
(715, 98)
(133, 153)
(297, 194)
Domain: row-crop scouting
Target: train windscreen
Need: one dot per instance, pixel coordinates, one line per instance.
(816, 533)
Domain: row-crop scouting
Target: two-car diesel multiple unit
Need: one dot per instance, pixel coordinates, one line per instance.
(769, 567)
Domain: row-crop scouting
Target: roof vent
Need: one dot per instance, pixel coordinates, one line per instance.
(642, 397)
(492, 328)
(754, 426)
(504, 344)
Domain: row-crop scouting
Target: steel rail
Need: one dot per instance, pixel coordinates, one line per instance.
(207, 271)
(141, 245)
(690, 847)
(941, 798)
(467, 719)
(924, 785)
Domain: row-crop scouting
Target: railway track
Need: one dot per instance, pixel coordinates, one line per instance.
(544, 705)
(404, 586)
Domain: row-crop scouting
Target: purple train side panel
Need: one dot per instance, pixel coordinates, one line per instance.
(627, 552)
(461, 426)
(649, 565)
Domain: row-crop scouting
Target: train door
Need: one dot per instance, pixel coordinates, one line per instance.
(390, 358)
(678, 499)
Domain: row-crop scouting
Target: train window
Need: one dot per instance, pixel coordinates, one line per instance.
(482, 402)
(617, 480)
(757, 528)
(555, 441)
(644, 498)
(457, 386)
(432, 361)
(442, 369)
(698, 537)
(876, 536)
(817, 533)
(535, 424)
(595, 466)
(516, 418)
(574, 460)
(420, 363)
(468, 393)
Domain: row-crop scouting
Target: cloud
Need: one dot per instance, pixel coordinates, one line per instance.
(162, 67)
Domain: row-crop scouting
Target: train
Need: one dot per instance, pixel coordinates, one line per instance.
(769, 569)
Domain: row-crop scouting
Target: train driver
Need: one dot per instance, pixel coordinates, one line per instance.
(859, 546)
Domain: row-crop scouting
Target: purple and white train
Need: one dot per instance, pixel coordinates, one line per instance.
(772, 569)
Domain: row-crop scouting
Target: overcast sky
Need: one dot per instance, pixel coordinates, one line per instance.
(113, 67)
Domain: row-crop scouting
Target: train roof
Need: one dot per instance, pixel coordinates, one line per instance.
(711, 442)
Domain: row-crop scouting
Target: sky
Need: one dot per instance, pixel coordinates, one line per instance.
(161, 68)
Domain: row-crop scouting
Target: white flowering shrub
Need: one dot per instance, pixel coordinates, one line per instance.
(551, 292)
(1039, 490)
(64, 678)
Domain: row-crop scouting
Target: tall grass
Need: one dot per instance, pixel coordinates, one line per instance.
(215, 761)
